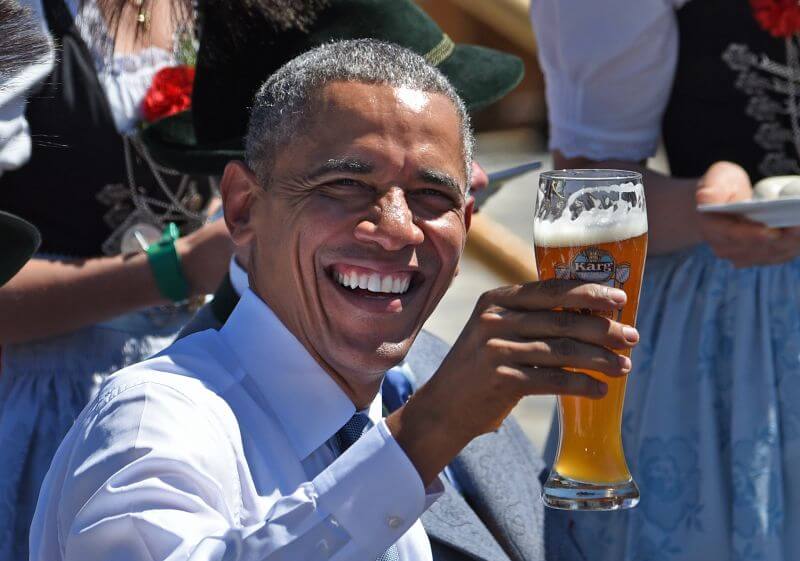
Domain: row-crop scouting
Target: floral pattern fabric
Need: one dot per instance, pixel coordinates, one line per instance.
(712, 418)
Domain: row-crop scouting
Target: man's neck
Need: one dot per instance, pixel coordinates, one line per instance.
(361, 393)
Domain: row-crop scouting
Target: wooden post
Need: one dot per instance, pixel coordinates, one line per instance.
(501, 250)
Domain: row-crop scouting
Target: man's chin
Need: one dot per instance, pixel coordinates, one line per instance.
(369, 355)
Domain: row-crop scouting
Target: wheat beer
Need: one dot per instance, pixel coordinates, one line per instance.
(595, 232)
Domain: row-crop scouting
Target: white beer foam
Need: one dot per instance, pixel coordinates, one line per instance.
(595, 226)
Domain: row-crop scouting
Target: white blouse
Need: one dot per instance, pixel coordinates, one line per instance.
(124, 78)
(608, 68)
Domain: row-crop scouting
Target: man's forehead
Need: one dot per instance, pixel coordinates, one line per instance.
(363, 97)
(367, 123)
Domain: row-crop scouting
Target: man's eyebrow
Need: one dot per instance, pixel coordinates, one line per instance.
(344, 165)
(442, 179)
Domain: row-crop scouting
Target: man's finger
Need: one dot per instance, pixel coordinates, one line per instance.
(554, 381)
(549, 294)
(524, 326)
(567, 353)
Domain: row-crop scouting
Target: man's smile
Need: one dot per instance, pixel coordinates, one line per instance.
(389, 287)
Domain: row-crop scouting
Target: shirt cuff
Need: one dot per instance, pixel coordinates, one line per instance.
(373, 491)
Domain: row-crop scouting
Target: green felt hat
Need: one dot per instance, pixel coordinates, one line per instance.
(231, 66)
(19, 240)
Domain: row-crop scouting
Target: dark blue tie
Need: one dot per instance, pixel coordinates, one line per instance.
(347, 435)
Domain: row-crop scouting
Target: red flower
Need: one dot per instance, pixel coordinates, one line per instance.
(170, 93)
(781, 18)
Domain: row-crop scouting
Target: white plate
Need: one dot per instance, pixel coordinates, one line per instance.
(775, 213)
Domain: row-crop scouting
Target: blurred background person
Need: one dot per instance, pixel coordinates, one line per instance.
(92, 300)
(712, 419)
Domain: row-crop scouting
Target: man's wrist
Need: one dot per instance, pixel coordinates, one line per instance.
(423, 436)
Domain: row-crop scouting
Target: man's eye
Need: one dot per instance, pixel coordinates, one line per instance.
(349, 184)
(344, 186)
(435, 193)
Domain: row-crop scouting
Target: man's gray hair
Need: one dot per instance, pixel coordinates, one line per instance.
(280, 107)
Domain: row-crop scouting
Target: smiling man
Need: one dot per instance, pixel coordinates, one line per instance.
(265, 440)
(373, 217)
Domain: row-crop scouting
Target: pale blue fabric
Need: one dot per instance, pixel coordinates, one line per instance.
(44, 386)
(712, 418)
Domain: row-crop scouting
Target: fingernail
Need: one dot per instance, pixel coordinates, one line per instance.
(616, 295)
(630, 334)
(624, 363)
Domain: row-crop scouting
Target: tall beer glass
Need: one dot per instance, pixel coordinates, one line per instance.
(591, 225)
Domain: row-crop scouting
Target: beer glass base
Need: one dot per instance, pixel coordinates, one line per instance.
(567, 494)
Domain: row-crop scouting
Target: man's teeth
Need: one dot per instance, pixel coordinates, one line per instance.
(375, 282)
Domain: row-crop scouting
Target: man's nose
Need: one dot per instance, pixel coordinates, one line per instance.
(392, 226)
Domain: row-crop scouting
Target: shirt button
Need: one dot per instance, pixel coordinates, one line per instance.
(394, 522)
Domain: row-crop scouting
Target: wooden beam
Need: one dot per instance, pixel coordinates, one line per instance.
(501, 250)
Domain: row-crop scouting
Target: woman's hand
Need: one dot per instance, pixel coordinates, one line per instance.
(205, 255)
(743, 242)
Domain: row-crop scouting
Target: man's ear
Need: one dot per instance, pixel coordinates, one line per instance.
(468, 209)
(238, 190)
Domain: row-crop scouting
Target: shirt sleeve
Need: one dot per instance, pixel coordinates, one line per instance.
(15, 138)
(608, 70)
(155, 477)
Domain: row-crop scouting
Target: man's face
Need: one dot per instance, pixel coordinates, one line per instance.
(359, 232)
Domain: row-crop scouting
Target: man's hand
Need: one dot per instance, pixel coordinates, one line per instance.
(205, 255)
(513, 345)
(737, 239)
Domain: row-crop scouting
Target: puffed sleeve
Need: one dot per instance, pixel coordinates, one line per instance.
(15, 138)
(608, 69)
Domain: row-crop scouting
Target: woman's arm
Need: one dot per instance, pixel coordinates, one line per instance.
(52, 297)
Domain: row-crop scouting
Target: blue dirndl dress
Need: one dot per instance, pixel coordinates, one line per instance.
(44, 386)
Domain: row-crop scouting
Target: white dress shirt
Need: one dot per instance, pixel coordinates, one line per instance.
(608, 69)
(219, 449)
(238, 276)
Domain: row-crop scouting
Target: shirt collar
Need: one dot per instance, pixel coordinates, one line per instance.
(310, 405)
(238, 277)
